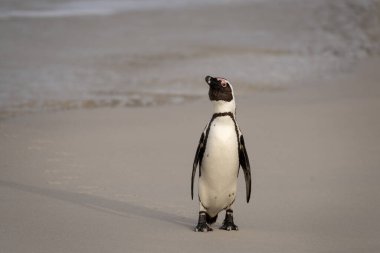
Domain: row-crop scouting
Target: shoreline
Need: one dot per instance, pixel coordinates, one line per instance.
(150, 99)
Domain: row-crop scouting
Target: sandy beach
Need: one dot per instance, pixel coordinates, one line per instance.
(103, 178)
(119, 179)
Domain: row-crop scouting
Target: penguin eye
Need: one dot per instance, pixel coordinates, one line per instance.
(224, 85)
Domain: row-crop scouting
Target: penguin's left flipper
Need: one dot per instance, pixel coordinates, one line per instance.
(244, 163)
(198, 159)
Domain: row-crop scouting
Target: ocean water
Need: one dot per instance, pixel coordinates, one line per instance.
(67, 8)
(61, 54)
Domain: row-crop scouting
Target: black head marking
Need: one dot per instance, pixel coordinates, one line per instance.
(220, 89)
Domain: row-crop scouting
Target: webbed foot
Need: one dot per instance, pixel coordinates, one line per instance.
(228, 223)
(202, 225)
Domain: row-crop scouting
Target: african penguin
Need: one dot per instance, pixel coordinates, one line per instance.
(220, 153)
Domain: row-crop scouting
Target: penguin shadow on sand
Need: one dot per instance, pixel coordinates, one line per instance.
(102, 204)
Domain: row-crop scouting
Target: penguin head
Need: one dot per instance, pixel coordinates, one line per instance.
(220, 89)
(221, 94)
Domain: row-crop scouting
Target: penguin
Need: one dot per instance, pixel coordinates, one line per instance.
(220, 153)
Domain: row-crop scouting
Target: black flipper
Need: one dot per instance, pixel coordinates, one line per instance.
(197, 160)
(244, 163)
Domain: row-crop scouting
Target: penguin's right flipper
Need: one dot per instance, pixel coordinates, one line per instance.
(198, 159)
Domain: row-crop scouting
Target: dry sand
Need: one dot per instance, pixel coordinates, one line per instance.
(118, 180)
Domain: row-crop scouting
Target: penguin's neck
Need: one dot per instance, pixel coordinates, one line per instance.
(221, 106)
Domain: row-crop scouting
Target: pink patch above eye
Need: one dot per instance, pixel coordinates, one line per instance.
(223, 81)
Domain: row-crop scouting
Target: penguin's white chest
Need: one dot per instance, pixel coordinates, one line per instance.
(220, 164)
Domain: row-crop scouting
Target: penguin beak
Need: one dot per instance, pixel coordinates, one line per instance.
(209, 79)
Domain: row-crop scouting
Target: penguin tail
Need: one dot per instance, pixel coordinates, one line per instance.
(211, 220)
